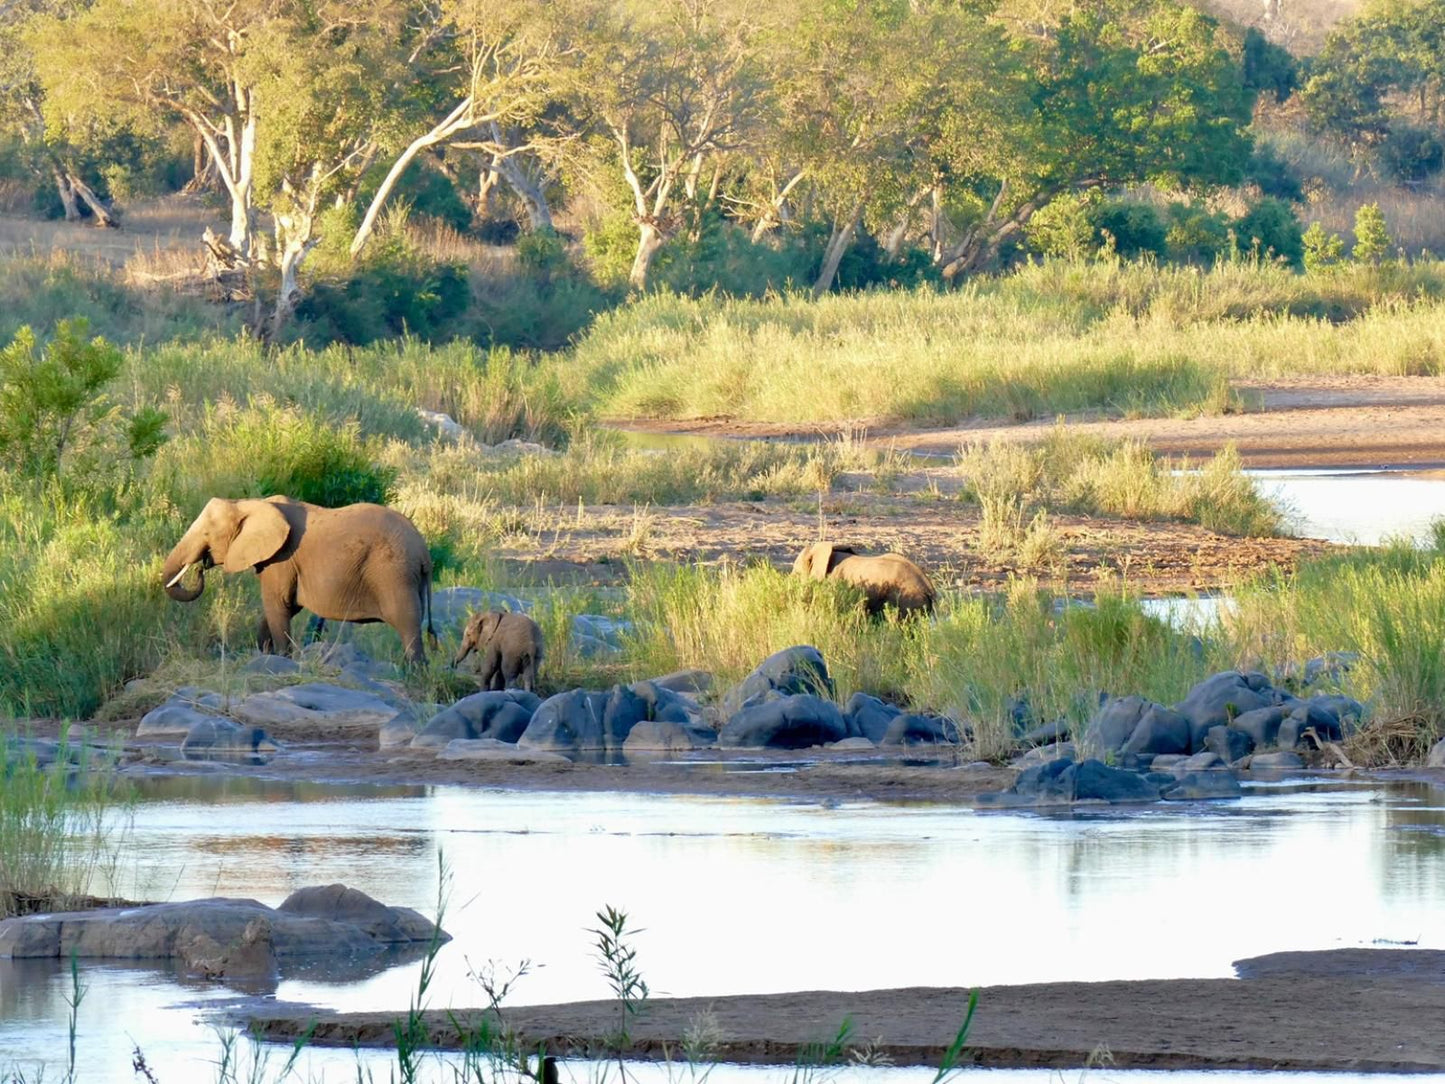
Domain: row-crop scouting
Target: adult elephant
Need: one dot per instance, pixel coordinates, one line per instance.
(359, 563)
(887, 579)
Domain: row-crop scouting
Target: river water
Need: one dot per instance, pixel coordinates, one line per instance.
(744, 896)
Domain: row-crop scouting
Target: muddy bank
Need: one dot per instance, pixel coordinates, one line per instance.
(1351, 1009)
(1342, 422)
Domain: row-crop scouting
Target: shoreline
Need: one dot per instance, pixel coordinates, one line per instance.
(1286, 1011)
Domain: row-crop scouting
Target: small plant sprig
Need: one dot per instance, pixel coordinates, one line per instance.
(618, 961)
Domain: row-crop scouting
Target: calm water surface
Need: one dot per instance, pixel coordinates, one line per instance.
(738, 896)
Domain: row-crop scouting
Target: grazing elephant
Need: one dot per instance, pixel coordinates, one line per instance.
(511, 646)
(887, 579)
(359, 563)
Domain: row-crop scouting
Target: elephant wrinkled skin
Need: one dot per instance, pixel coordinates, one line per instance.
(358, 563)
(888, 579)
(511, 647)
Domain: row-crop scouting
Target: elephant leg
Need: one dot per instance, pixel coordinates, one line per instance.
(274, 636)
(529, 675)
(404, 615)
(492, 679)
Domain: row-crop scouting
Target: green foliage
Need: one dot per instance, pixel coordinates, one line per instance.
(309, 457)
(55, 416)
(394, 290)
(1269, 68)
(1410, 154)
(1270, 231)
(1062, 227)
(1196, 235)
(1272, 175)
(1128, 228)
(423, 189)
(1322, 249)
(1372, 237)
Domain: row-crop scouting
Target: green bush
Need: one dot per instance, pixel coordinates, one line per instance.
(1136, 229)
(424, 189)
(1322, 250)
(55, 416)
(1195, 235)
(1372, 237)
(1272, 175)
(1269, 231)
(392, 291)
(1410, 155)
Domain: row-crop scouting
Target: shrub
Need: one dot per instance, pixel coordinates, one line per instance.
(393, 291)
(1195, 235)
(1132, 229)
(1272, 175)
(1269, 231)
(54, 413)
(1409, 155)
(1372, 238)
(1062, 228)
(1322, 250)
(425, 191)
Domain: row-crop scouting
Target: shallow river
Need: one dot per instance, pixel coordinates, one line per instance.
(742, 896)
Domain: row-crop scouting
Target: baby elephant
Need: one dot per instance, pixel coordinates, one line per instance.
(511, 647)
(889, 579)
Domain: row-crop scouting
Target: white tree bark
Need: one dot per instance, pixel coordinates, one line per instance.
(649, 240)
(843, 232)
(295, 238)
(90, 199)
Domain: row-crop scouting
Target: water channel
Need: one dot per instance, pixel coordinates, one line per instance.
(742, 896)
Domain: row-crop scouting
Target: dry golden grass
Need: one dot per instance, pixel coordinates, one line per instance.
(148, 230)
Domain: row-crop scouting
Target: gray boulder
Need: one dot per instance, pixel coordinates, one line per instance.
(172, 720)
(653, 737)
(920, 730)
(1308, 716)
(596, 636)
(1048, 733)
(1129, 725)
(501, 715)
(868, 717)
(790, 672)
(1436, 757)
(690, 682)
(492, 749)
(667, 705)
(1064, 781)
(271, 665)
(569, 722)
(1202, 786)
(791, 722)
(221, 739)
(1261, 725)
(1222, 697)
(1228, 743)
(1199, 762)
(1160, 732)
(222, 937)
(316, 706)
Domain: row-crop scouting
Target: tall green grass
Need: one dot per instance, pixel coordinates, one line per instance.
(57, 825)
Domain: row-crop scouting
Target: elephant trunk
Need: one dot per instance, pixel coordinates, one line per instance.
(174, 570)
(463, 653)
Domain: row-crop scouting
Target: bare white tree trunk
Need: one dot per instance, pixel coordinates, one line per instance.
(66, 193)
(487, 181)
(649, 240)
(529, 191)
(295, 218)
(776, 210)
(90, 199)
(843, 232)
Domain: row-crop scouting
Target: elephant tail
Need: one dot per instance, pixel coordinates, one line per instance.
(426, 609)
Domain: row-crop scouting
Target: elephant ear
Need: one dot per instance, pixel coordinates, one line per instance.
(490, 623)
(822, 559)
(263, 530)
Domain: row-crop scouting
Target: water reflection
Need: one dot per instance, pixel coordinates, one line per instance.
(752, 896)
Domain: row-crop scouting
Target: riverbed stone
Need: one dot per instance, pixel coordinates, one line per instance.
(1112, 725)
(1094, 779)
(869, 717)
(1222, 697)
(653, 737)
(596, 636)
(1436, 756)
(270, 665)
(910, 729)
(687, 682)
(1048, 733)
(667, 705)
(1160, 731)
(1261, 725)
(222, 739)
(1228, 743)
(789, 672)
(1304, 717)
(317, 705)
(800, 721)
(1202, 786)
(492, 749)
(173, 719)
(1166, 762)
(502, 715)
(1279, 760)
(1065, 781)
(570, 722)
(857, 744)
(311, 923)
(1200, 761)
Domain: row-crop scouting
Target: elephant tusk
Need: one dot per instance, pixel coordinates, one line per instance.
(178, 576)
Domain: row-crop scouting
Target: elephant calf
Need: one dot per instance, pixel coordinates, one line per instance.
(888, 579)
(511, 647)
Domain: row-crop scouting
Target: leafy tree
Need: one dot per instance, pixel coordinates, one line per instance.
(1268, 68)
(1196, 235)
(1322, 249)
(1119, 98)
(1372, 238)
